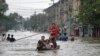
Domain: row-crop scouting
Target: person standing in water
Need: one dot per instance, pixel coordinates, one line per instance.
(3, 37)
(12, 39)
(54, 29)
(8, 37)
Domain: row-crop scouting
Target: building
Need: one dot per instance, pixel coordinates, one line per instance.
(64, 13)
(75, 12)
(58, 12)
(53, 12)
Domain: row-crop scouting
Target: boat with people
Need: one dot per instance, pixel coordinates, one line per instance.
(47, 44)
(51, 43)
(49, 48)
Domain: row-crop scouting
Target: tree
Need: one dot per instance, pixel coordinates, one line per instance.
(39, 21)
(3, 6)
(90, 12)
(3, 9)
(14, 19)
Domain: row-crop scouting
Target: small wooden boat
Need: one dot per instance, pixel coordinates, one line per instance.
(58, 47)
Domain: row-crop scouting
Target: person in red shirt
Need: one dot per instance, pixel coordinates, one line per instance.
(54, 29)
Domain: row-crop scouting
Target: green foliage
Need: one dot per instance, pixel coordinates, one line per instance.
(38, 22)
(90, 12)
(14, 20)
(10, 21)
(3, 18)
(3, 6)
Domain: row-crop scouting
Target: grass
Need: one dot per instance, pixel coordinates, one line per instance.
(91, 40)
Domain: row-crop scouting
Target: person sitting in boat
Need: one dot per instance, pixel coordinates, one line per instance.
(41, 43)
(48, 44)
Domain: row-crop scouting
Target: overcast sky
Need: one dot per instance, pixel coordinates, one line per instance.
(27, 7)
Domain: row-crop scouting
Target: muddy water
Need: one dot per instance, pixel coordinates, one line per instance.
(27, 47)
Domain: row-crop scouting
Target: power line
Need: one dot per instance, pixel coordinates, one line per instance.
(26, 9)
(26, 12)
(32, 2)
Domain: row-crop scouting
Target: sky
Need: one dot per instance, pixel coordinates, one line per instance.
(26, 8)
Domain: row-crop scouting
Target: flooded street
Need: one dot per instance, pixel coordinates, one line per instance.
(27, 47)
(23, 22)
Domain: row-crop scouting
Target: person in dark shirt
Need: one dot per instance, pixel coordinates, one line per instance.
(41, 43)
(8, 37)
(65, 37)
(12, 39)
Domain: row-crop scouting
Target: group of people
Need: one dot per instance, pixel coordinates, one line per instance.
(63, 37)
(58, 34)
(54, 36)
(8, 38)
(47, 43)
(51, 42)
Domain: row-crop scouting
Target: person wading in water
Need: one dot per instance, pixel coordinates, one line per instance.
(54, 30)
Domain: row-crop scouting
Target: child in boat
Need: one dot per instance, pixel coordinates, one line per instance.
(41, 43)
(48, 44)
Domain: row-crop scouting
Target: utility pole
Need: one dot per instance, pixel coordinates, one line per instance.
(53, 1)
(53, 7)
(60, 8)
(69, 15)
